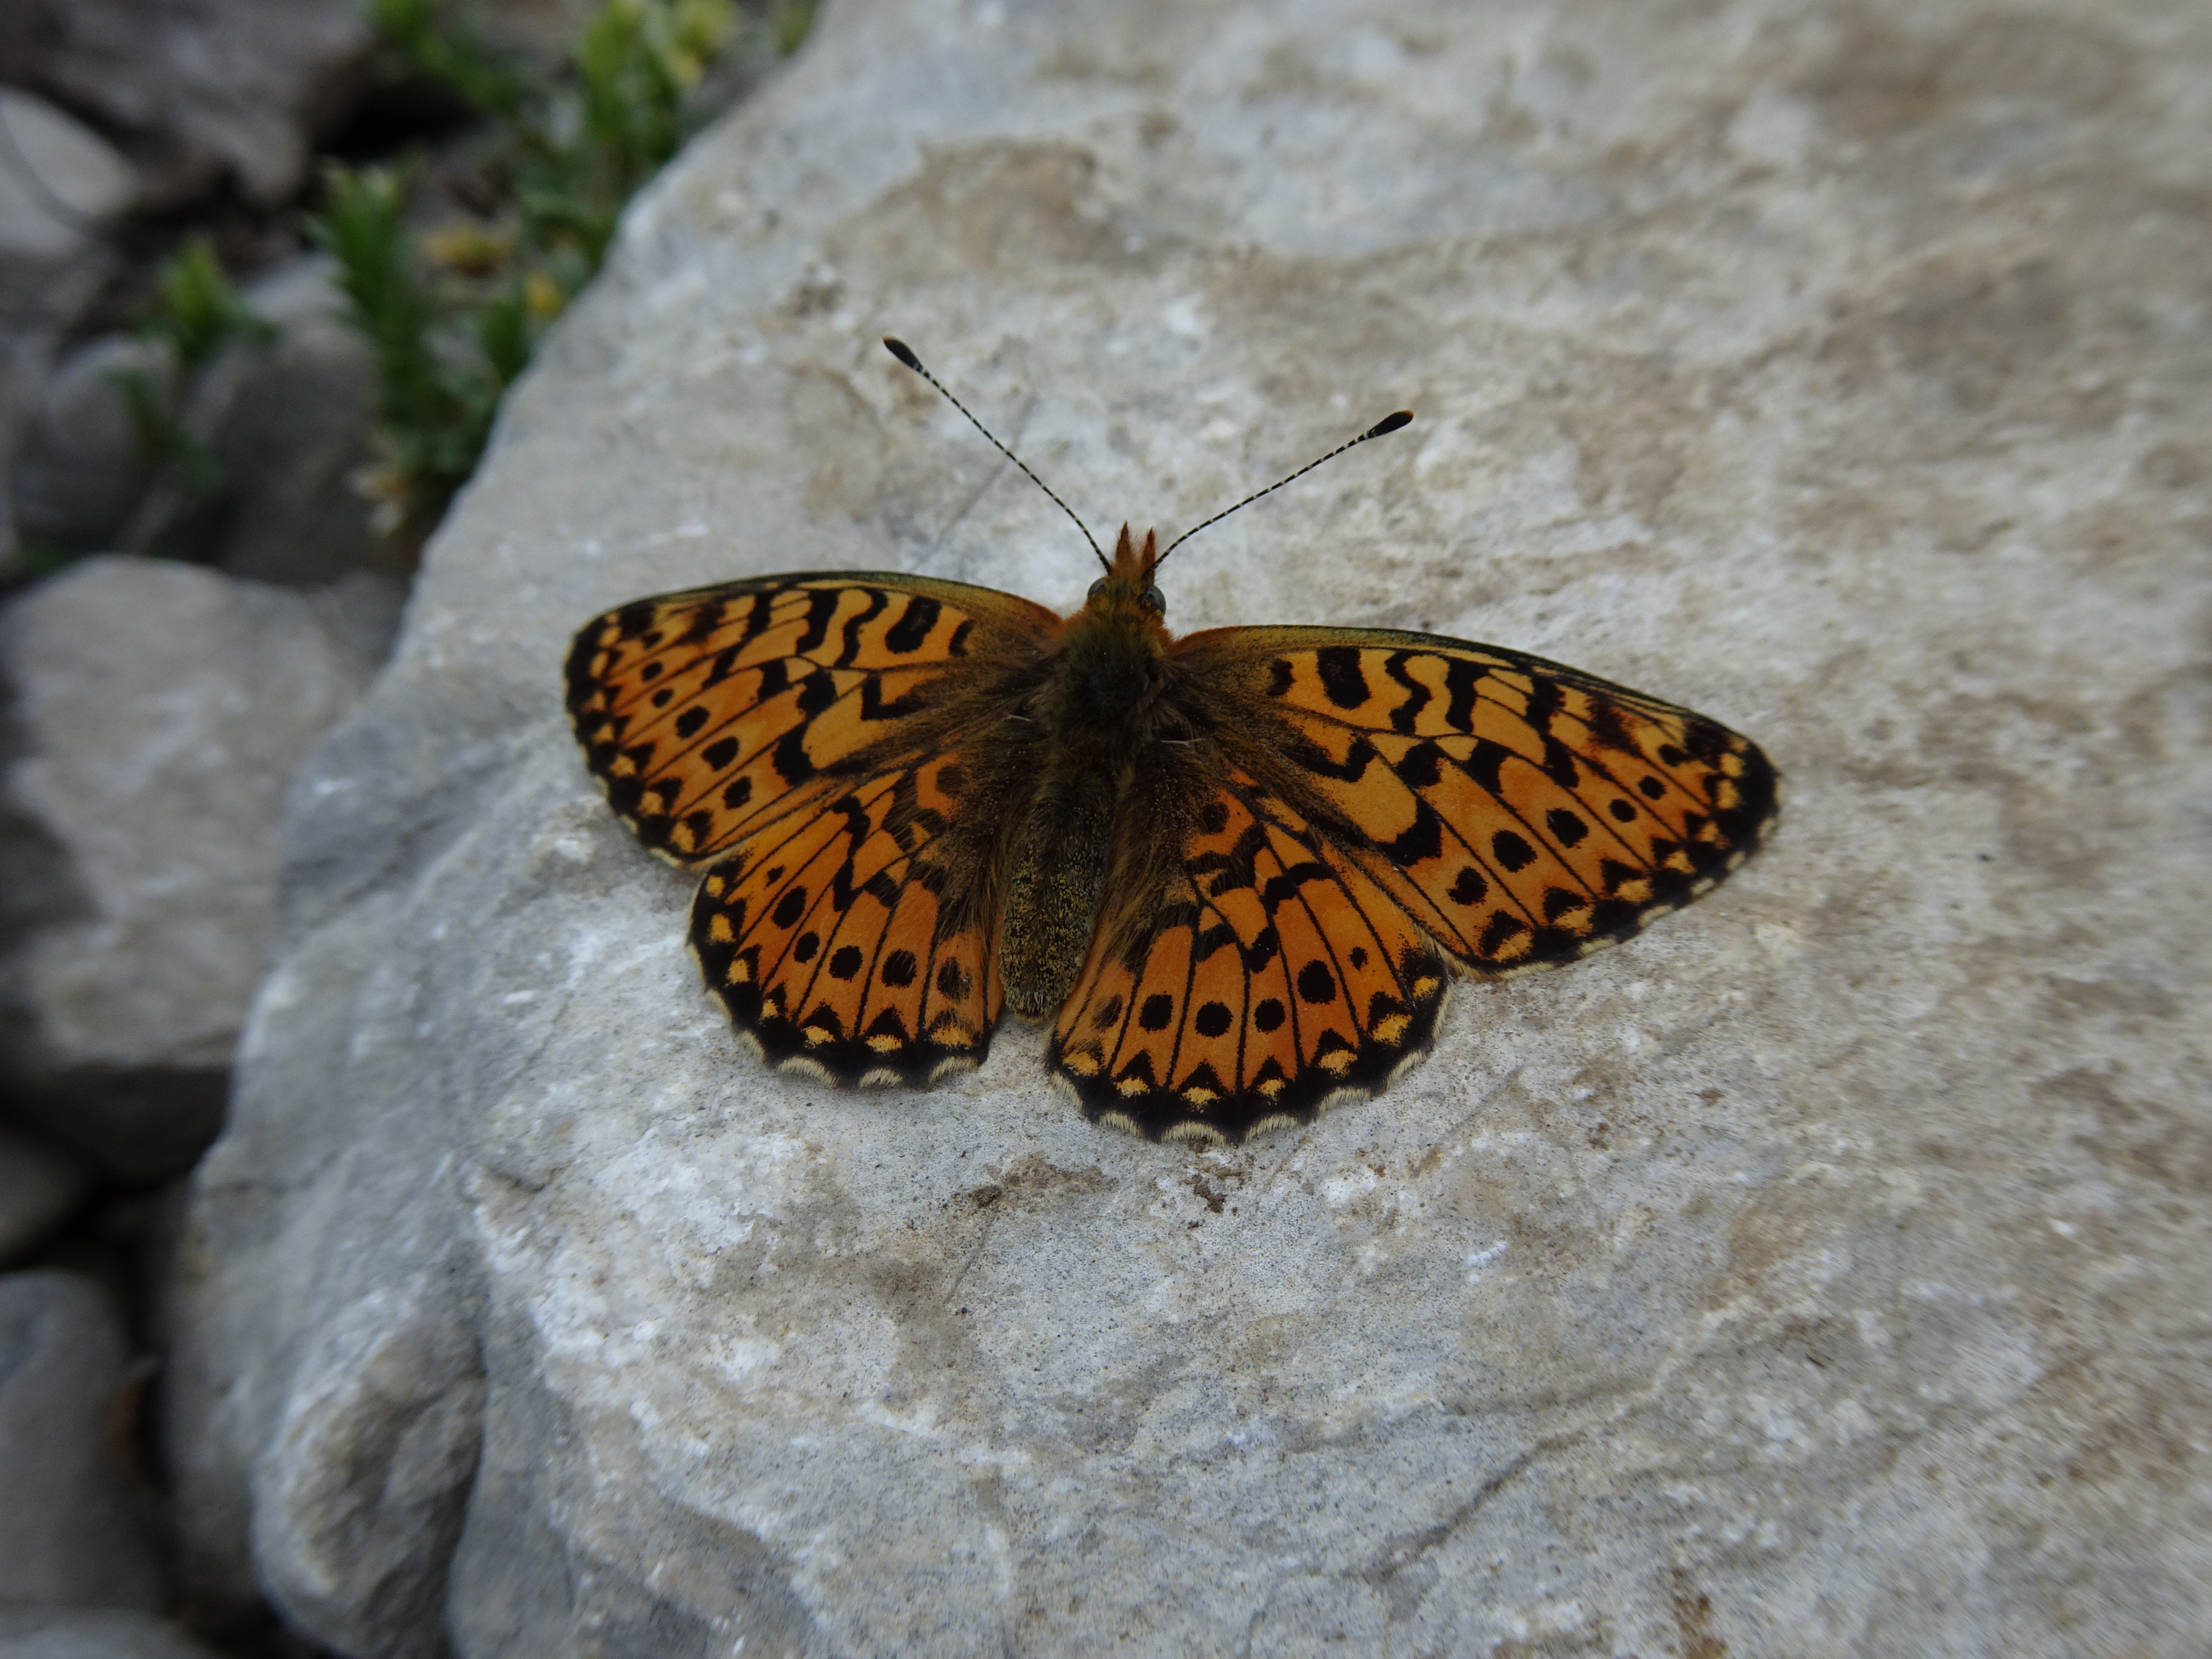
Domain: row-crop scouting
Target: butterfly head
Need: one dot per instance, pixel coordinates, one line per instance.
(1127, 584)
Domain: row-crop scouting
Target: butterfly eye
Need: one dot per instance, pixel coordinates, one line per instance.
(1097, 588)
(1153, 600)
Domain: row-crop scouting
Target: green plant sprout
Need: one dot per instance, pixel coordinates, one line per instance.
(454, 312)
(195, 314)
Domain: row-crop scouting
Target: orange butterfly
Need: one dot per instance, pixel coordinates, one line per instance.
(1241, 864)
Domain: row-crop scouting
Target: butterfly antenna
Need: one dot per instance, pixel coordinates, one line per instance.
(904, 353)
(1388, 423)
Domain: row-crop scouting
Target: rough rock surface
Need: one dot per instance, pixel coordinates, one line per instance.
(158, 710)
(59, 183)
(286, 421)
(203, 92)
(289, 423)
(73, 1530)
(1820, 1273)
(87, 1633)
(82, 467)
(38, 1186)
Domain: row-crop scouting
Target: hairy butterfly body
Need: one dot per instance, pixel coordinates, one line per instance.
(1236, 868)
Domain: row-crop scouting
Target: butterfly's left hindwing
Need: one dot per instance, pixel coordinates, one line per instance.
(855, 943)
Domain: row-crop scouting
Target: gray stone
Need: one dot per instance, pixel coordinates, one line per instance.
(201, 93)
(287, 422)
(85, 1633)
(1819, 1272)
(160, 709)
(82, 469)
(73, 1524)
(39, 1187)
(58, 180)
(60, 183)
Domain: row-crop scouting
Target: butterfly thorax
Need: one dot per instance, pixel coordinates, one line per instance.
(1112, 657)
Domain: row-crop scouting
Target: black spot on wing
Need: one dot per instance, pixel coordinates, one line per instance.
(849, 635)
(1421, 839)
(1407, 715)
(821, 608)
(874, 707)
(1511, 851)
(791, 762)
(1468, 887)
(1460, 677)
(913, 627)
(1485, 762)
(1315, 983)
(1341, 679)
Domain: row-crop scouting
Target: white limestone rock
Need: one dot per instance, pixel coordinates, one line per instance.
(1819, 1272)
(158, 710)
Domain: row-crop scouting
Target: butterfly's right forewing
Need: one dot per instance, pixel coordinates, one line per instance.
(1523, 813)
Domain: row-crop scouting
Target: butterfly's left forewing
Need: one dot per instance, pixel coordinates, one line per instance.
(709, 714)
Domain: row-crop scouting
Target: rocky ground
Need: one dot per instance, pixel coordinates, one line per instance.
(155, 708)
(1819, 1273)
(167, 654)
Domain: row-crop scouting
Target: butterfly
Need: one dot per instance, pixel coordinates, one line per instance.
(1237, 869)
